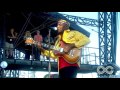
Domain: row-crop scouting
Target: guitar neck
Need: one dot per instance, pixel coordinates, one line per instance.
(52, 47)
(49, 46)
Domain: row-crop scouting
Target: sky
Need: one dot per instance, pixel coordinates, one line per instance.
(94, 42)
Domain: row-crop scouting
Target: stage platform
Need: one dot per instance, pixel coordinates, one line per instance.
(32, 65)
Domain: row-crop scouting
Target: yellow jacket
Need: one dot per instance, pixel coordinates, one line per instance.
(72, 36)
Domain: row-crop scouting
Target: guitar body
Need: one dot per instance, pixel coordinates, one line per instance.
(73, 55)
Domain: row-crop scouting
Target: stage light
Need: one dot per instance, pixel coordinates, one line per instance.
(3, 64)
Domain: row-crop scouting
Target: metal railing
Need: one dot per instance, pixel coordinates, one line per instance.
(89, 56)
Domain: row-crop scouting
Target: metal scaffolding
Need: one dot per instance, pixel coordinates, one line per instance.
(107, 37)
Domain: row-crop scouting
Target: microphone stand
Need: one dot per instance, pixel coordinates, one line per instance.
(49, 64)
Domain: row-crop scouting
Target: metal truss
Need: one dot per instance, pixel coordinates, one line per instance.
(77, 20)
(82, 20)
(107, 37)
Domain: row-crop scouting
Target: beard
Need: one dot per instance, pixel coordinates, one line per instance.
(60, 32)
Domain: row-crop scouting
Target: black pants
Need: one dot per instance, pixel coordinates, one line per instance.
(28, 51)
(68, 72)
(36, 53)
(27, 54)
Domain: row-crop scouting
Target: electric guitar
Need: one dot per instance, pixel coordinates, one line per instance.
(72, 57)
